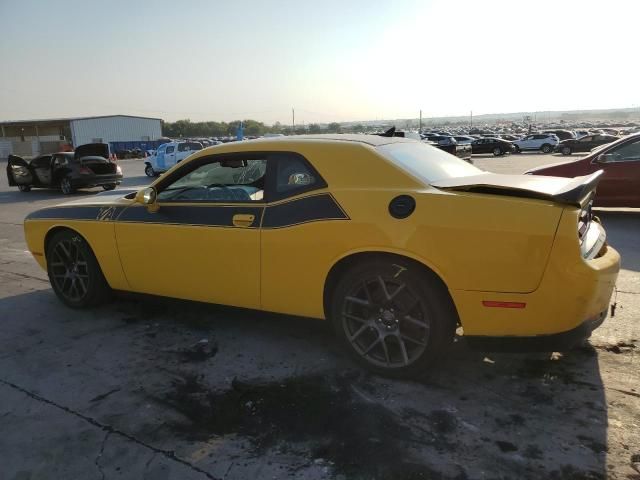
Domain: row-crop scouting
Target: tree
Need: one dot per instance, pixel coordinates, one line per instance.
(334, 127)
(314, 128)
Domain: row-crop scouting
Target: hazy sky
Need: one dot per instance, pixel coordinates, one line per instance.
(331, 60)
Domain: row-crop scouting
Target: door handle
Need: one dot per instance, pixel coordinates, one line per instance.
(243, 220)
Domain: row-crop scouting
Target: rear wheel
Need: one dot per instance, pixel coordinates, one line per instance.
(66, 187)
(392, 317)
(111, 186)
(74, 272)
(566, 150)
(497, 152)
(546, 148)
(149, 171)
(24, 188)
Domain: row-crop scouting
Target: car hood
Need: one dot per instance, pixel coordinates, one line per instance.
(571, 191)
(92, 150)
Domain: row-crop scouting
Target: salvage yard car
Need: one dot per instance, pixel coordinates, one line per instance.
(167, 155)
(620, 163)
(88, 166)
(497, 146)
(395, 242)
(583, 144)
(545, 142)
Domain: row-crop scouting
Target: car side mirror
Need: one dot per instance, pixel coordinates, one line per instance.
(604, 158)
(148, 196)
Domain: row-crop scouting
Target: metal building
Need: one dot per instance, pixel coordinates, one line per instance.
(29, 138)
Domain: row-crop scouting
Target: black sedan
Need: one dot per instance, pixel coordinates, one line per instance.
(497, 146)
(88, 166)
(584, 144)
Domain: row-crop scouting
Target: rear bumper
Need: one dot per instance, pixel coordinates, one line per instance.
(555, 342)
(96, 180)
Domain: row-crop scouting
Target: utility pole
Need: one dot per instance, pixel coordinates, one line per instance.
(471, 120)
(293, 119)
(420, 129)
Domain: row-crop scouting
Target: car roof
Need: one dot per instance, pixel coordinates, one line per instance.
(373, 140)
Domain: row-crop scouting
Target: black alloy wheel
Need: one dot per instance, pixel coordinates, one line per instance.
(66, 187)
(393, 318)
(566, 150)
(74, 272)
(24, 188)
(546, 148)
(497, 152)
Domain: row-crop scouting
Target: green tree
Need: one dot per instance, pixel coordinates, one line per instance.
(314, 128)
(334, 127)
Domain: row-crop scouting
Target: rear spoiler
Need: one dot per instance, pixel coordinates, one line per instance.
(578, 192)
(570, 191)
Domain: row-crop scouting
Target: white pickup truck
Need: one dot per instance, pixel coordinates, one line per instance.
(167, 155)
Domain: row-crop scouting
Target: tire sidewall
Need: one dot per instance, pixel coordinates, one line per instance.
(438, 304)
(566, 151)
(65, 186)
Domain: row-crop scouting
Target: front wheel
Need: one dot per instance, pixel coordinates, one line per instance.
(546, 148)
(566, 150)
(74, 272)
(111, 186)
(24, 188)
(149, 171)
(497, 152)
(393, 317)
(66, 187)
(516, 149)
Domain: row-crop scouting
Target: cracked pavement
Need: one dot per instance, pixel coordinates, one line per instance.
(109, 393)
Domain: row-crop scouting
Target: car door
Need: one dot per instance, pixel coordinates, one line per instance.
(170, 156)
(584, 144)
(526, 142)
(200, 240)
(620, 184)
(19, 171)
(41, 166)
(160, 163)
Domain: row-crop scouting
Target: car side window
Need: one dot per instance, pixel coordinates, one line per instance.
(293, 174)
(225, 180)
(170, 149)
(626, 153)
(586, 139)
(60, 161)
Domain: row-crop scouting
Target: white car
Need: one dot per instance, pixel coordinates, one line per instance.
(167, 155)
(545, 142)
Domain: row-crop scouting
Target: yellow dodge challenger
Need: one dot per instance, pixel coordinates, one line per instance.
(395, 242)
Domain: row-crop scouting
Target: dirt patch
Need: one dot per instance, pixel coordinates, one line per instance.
(318, 416)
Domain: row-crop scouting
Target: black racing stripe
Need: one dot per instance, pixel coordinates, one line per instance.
(308, 209)
(89, 212)
(209, 216)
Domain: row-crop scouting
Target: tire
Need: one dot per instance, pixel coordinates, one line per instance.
(516, 149)
(387, 298)
(149, 171)
(66, 187)
(546, 148)
(111, 186)
(74, 272)
(566, 150)
(24, 188)
(497, 152)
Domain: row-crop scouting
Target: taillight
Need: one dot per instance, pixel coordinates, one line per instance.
(85, 171)
(584, 220)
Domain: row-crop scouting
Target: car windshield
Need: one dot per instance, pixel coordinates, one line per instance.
(427, 163)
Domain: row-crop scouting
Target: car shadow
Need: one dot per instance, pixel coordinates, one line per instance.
(40, 194)
(267, 388)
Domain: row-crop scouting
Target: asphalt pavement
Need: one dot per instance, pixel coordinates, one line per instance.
(154, 388)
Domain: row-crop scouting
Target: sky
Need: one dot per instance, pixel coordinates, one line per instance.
(334, 60)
